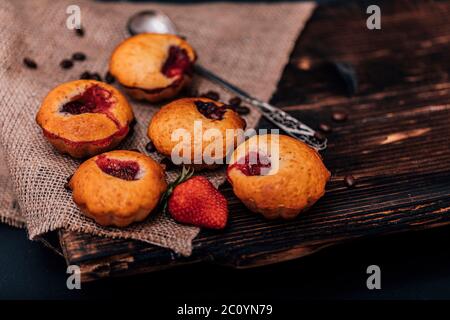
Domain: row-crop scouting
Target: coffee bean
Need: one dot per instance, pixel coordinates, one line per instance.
(30, 63)
(109, 78)
(66, 64)
(96, 76)
(67, 187)
(213, 95)
(150, 147)
(167, 164)
(235, 101)
(15, 205)
(69, 177)
(350, 181)
(86, 75)
(339, 116)
(243, 110)
(325, 128)
(79, 56)
(79, 32)
(319, 136)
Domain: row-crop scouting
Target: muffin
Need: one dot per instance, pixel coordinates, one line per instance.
(277, 176)
(153, 66)
(85, 117)
(118, 188)
(196, 132)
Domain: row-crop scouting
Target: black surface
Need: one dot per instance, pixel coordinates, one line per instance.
(413, 266)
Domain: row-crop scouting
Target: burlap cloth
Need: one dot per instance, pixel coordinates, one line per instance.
(248, 44)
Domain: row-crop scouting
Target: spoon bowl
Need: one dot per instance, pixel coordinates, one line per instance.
(150, 21)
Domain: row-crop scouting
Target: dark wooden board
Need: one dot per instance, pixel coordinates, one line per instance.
(396, 142)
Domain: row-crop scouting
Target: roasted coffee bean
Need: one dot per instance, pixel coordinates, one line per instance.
(350, 181)
(86, 75)
(109, 78)
(15, 205)
(167, 164)
(150, 147)
(69, 177)
(339, 116)
(79, 56)
(243, 110)
(96, 76)
(325, 128)
(79, 32)
(213, 95)
(67, 187)
(66, 64)
(30, 63)
(236, 101)
(319, 136)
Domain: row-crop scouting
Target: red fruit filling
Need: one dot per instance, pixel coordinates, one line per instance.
(123, 169)
(94, 99)
(177, 63)
(253, 164)
(210, 110)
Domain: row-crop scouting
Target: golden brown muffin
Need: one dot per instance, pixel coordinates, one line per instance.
(84, 117)
(205, 122)
(153, 66)
(277, 175)
(118, 187)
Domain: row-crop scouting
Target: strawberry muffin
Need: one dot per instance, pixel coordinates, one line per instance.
(84, 117)
(153, 66)
(197, 132)
(118, 188)
(277, 176)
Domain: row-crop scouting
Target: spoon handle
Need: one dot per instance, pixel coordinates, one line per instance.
(283, 120)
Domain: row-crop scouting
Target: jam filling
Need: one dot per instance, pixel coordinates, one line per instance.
(210, 110)
(95, 99)
(123, 169)
(177, 63)
(253, 164)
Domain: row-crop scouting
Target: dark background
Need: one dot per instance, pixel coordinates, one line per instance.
(413, 266)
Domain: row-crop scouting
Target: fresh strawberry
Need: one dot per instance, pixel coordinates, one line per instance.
(195, 201)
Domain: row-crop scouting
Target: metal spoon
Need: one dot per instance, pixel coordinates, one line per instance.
(158, 22)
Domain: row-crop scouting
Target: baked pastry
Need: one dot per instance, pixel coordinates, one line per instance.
(118, 187)
(84, 117)
(277, 176)
(153, 66)
(193, 132)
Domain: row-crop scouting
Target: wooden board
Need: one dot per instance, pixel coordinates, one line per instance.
(396, 142)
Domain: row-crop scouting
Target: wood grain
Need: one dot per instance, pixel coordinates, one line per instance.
(395, 142)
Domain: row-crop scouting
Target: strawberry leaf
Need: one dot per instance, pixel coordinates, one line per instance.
(186, 173)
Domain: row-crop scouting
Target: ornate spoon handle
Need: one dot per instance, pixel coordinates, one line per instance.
(283, 120)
